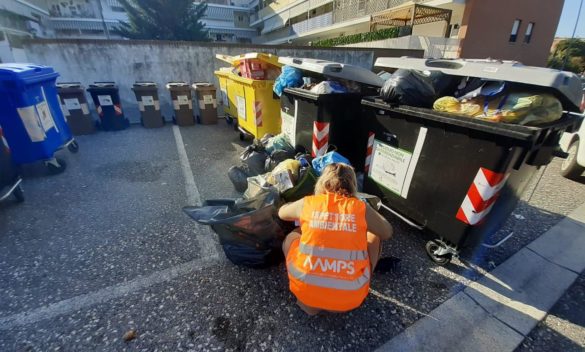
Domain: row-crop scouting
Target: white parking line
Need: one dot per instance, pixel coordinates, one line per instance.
(106, 294)
(204, 236)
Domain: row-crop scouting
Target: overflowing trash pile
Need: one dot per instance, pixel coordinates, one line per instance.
(495, 101)
(257, 66)
(292, 77)
(270, 174)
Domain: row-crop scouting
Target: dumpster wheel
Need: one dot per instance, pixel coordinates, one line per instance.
(432, 247)
(55, 166)
(73, 146)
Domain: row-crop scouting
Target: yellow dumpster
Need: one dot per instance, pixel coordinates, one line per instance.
(246, 90)
(257, 110)
(229, 106)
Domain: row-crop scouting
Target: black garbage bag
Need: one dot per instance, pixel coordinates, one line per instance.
(254, 159)
(444, 84)
(409, 87)
(239, 177)
(249, 230)
(276, 157)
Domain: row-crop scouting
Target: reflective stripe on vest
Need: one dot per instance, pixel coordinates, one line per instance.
(342, 254)
(327, 282)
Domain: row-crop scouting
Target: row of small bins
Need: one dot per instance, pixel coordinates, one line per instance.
(455, 177)
(106, 98)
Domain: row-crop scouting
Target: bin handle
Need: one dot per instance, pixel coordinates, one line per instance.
(442, 63)
(499, 243)
(406, 220)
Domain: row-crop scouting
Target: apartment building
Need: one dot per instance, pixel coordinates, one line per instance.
(520, 30)
(20, 19)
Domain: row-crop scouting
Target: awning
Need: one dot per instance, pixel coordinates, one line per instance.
(69, 24)
(219, 13)
(409, 15)
(275, 22)
(237, 32)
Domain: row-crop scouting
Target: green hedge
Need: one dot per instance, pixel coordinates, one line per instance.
(359, 38)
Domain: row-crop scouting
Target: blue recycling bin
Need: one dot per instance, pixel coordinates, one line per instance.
(31, 115)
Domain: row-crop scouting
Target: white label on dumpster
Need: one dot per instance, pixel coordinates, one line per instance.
(31, 123)
(72, 104)
(241, 101)
(45, 116)
(208, 99)
(389, 166)
(289, 124)
(147, 100)
(84, 108)
(105, 100)
(182, 99)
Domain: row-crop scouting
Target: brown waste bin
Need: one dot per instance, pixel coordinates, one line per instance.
(75, 108)
(182, 104)
(148, 103)
(205, 95)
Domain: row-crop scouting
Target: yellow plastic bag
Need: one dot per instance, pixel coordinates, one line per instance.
(518, 108)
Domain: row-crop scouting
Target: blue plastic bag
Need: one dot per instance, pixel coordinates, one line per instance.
(290, 77)
(319, 163)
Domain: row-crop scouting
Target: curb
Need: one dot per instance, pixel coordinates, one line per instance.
(496, 312)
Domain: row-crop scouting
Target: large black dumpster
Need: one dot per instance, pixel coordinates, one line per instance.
(456, 177)
(317, 122)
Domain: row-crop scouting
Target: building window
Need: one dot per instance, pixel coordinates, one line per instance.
(515, 28)
(528, 34)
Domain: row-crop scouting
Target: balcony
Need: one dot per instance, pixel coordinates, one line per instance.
(313, 23)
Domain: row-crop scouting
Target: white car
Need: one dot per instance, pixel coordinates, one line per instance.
(574, 145)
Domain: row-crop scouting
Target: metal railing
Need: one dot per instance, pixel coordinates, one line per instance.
(313, 23)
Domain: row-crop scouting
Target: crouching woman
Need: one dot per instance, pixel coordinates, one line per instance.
(330, 258)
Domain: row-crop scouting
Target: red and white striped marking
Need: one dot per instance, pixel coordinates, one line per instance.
(320, 138)
(118, 109)
(99, 110)
(369, 151)
(481, 196)
(258, 113)
(4, 141)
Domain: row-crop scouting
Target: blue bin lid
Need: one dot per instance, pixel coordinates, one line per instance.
(26, 73)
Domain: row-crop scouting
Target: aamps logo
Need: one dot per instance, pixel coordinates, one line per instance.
(329, 265)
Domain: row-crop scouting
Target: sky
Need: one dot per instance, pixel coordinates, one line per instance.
(568, 18)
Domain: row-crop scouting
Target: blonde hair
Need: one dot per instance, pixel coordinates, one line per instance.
(337, 178)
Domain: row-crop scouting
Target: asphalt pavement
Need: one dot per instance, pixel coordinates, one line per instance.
(104, 248)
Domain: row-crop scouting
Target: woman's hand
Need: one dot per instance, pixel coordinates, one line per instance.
(291, 211)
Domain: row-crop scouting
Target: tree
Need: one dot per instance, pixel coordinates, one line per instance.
(163, 20)
(569, 54)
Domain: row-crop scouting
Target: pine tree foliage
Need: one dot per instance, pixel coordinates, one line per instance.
(163, 20)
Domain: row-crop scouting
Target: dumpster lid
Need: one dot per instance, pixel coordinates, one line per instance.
(69, 84)
(144, 84)
(334, 69)
(237, 60)
(103, 85)
(564, 85)
(24, 72)
(199, 85)
(177, 84)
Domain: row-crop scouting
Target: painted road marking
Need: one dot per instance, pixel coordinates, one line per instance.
(204, 236)
(71, 305)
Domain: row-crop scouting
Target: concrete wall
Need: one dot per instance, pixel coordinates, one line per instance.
(486, 28)
(125, 62)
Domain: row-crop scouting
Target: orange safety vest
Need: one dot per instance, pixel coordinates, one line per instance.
(331, 267)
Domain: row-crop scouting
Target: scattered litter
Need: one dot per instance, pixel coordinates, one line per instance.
(519, 216)
(130, 335)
